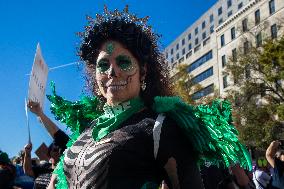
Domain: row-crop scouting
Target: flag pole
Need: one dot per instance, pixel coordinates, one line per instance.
(27, 120)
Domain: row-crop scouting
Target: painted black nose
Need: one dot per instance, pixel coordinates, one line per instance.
(112, 73)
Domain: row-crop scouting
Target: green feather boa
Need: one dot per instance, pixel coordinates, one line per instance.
(208, 127)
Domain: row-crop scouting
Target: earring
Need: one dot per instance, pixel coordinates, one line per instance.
(97, 90)
(143, 85)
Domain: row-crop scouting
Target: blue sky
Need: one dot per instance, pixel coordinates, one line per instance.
(54, 23)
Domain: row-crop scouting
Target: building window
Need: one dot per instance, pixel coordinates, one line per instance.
(202, 76)
(172, 51)
(181, 60)
(246, 47)
(197, 48)
(205, 42)
(177, 56)
(203, 35)
(189, 36)
(234, 55)
(224, 62)
(245, 25)
(229, 3)
(196, 31)
(233, 33)
(212, 29)
(203, 92)
(183, 51)
(258, 39)
(189, 46)
(271, 7)
(203, 24)
(188, 54)
(225, 81)
(211, 18)
(172, 60)
(177, 46)
(167, 55)
(230, 13)
(200, 61)
(247, 72)
(220, 11)
(257, 17)
(183, 42)
(273, 31)
(196, 41)
(240, 5)
(220, 21)
(222, 38)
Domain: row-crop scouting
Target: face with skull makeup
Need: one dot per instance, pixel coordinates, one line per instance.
(117, 73)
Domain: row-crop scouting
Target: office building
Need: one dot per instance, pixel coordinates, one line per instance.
(206, 45)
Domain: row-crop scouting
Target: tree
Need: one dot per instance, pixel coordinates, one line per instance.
(258, 92)
(184, 86)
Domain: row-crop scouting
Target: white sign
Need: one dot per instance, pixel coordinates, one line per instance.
(38, 79)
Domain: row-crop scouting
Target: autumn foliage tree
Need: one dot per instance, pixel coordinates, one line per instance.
(183, 84)
(258, 92)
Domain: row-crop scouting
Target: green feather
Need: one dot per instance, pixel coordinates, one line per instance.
(208, 128)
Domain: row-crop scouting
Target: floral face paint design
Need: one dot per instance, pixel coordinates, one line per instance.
(110, 48)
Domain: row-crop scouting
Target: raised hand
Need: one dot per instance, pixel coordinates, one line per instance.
(28, 148)
(34, 107)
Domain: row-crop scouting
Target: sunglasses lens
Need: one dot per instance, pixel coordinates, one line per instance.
(264, 162)
(259, 163)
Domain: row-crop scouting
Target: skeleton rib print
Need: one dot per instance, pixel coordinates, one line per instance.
(99, 165)
(86, 162)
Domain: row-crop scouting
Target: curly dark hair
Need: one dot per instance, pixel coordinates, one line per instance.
(140, 43)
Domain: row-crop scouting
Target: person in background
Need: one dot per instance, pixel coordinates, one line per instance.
(22, 180)
(7, 171)
(261, 176)
(41, 173)
(275, 157)
(59, 137)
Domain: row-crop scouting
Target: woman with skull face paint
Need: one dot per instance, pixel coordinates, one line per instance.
(133, 134)
(117, 73)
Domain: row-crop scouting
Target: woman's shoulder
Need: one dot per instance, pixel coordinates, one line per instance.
(171, 132)
(145, 114)
(170, 126)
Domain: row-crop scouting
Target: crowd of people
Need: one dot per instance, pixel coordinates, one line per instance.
(134, 133)
(24, 172)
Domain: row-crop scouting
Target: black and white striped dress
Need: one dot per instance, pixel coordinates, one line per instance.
(124, 159)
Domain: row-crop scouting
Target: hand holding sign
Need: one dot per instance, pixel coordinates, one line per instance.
(34, 107)
(37, 85)
(38, 79)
